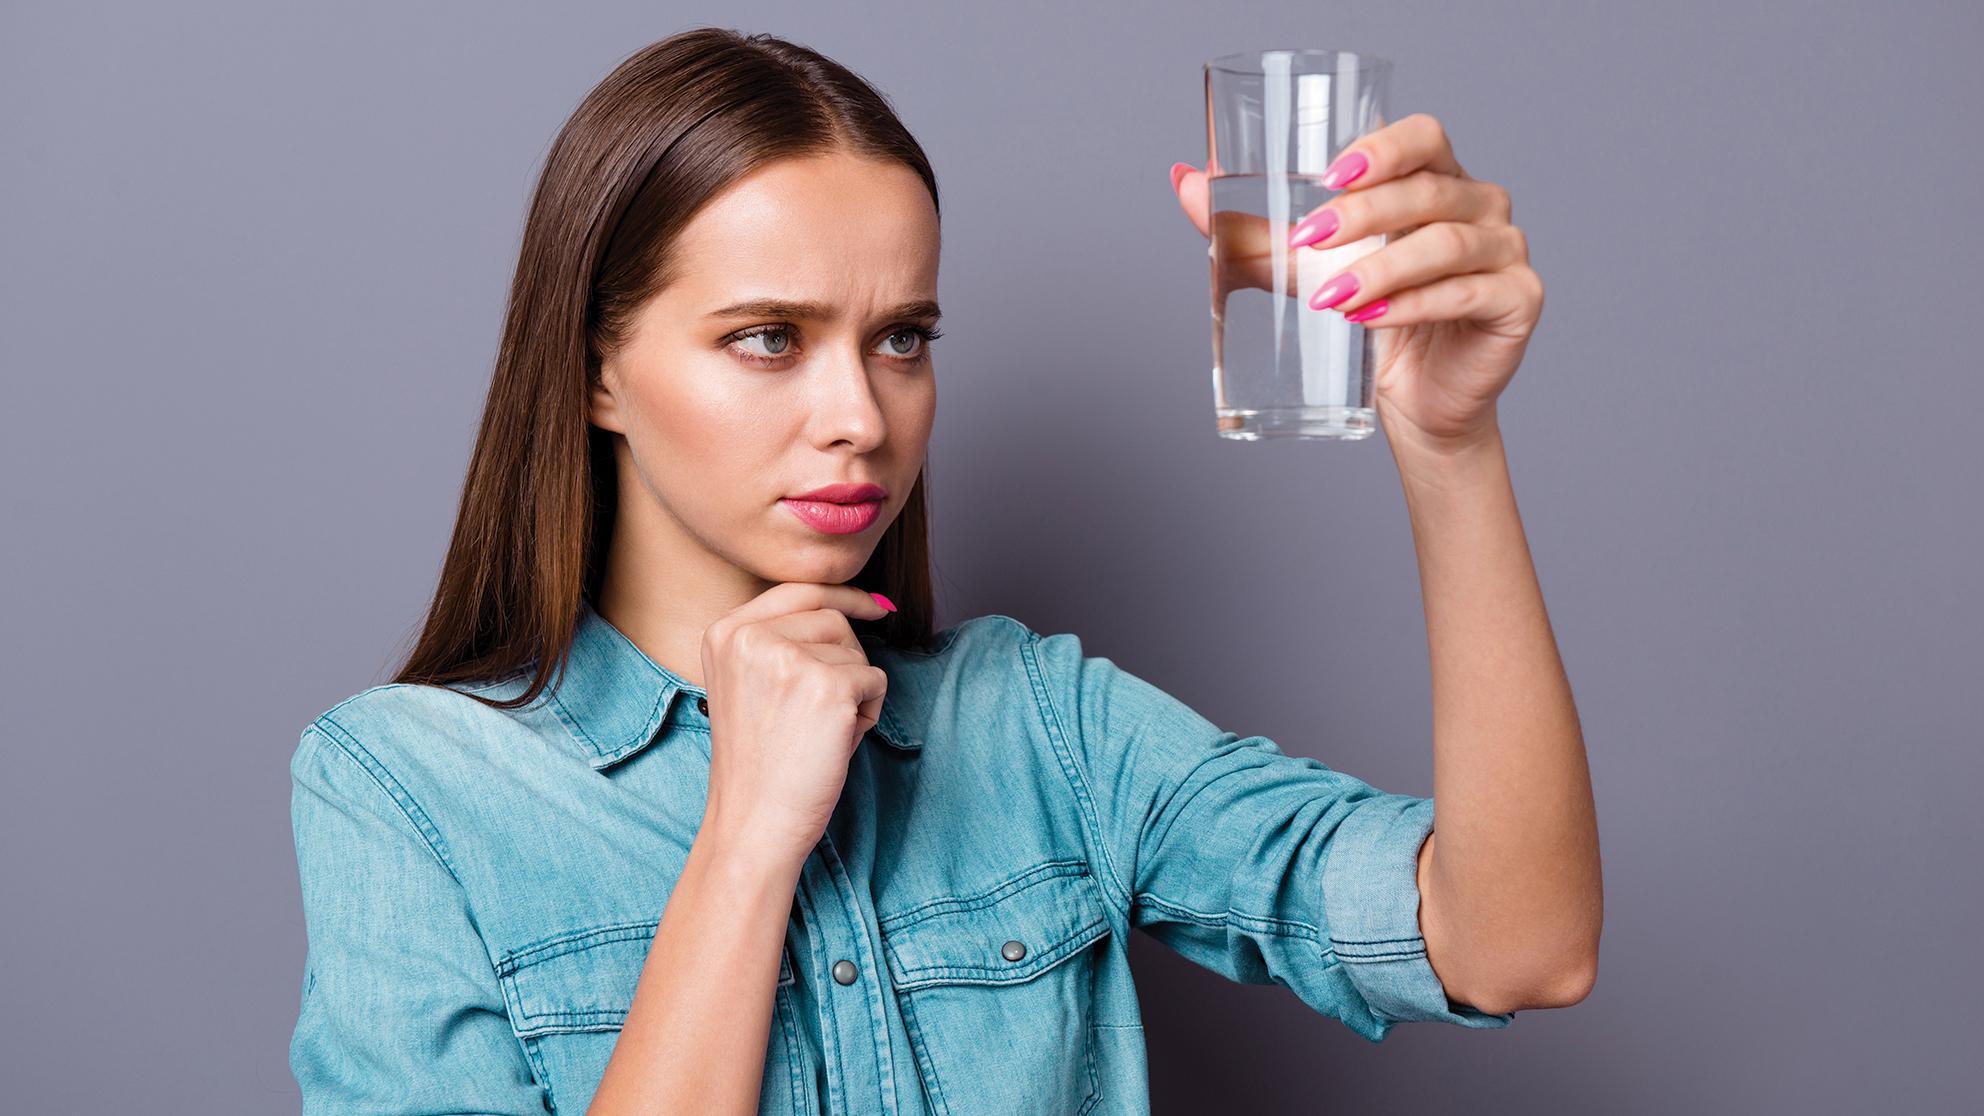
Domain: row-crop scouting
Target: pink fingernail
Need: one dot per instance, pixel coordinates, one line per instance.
(884, 601)
(1178, 172)
(1366, 313)
(1334, 291)
(1317, 226)
(1345, 170)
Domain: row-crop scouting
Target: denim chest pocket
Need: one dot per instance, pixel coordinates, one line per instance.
(568, 997)
(997, 992)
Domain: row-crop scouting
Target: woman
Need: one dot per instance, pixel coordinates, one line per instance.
(674, 808)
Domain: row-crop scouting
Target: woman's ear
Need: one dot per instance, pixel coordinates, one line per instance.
(603, 409)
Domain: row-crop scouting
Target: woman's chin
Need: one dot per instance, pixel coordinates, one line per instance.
(829, 561)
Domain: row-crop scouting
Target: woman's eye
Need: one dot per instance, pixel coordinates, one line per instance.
(906, 345)
(913, 339)
(773, 348)
(919, 340)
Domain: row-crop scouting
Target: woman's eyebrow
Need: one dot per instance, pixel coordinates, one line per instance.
(918, 309)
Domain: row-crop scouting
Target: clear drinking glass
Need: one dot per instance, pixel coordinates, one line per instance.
(1274, 121)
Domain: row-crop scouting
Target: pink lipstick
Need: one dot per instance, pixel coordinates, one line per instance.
(836, 519)
(839, 509)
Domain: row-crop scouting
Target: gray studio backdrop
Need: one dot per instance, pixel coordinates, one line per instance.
(254, 259)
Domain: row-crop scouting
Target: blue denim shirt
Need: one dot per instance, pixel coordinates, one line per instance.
(480, 888)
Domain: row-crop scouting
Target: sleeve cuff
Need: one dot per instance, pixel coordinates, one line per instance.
(1371, 905)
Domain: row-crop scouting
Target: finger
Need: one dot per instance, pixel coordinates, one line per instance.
(862, 682)
(865, 684)
(1418, 199)
(819, 625)
(838, 654)
(1419, 257)
(1193, 188)
(871, 685)
(1246, 257)
(795, 596)
(1512, 295)
(1417, 142)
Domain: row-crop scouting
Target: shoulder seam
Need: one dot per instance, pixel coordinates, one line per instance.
(326, 715)
(1071, 767)
(336, 734)
(1017, 625)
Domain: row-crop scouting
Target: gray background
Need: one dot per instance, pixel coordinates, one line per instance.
(254, 263)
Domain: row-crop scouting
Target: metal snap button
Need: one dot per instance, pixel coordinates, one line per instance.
(1013, 951)
(703, 706)
(845, 972)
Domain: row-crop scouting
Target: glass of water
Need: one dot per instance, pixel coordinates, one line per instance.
(1275, 120)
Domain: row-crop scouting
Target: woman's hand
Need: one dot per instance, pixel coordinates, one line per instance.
(791, 693)
(1451, 295)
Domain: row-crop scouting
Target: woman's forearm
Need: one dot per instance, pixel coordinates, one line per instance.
(1511, 896)
(695, 1039)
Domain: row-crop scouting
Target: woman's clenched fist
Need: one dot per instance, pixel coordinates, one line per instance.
(791, 692)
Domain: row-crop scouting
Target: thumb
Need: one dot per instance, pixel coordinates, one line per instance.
(1194, 195)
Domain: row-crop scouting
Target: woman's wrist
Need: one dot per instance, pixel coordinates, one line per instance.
(1450, 466)
(745, 848)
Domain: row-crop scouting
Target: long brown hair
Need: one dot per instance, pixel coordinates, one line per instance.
(670, 127)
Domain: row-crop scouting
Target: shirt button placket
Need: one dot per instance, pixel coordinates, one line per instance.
(861, 1069)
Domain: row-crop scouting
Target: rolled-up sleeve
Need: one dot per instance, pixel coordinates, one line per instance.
(401, 1009)
(1258, 865)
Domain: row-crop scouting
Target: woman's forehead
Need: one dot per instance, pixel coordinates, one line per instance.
(829, 207)
(873, 278)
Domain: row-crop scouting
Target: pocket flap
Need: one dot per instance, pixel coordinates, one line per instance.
(1009, 934)
(583, 980)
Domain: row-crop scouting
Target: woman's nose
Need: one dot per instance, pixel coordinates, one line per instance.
(850, 409)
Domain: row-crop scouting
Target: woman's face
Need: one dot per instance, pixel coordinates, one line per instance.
(726, 410)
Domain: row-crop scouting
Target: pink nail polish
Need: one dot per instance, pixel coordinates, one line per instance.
(1178, 172)
(1366, 313)
(1318, 226)
(1334, 291)
(884, 601)
(1345, 170)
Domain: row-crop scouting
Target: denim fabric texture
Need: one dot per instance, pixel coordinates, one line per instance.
(480, 887)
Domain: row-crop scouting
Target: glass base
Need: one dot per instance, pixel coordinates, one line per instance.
(1340, 423)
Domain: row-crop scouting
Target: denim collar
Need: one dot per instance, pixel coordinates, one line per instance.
(615, 698)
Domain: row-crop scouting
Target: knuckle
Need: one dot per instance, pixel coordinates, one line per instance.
(1533, 282)
(724, 635)
(1451, 237)
(838, 621)
(785, 659)
(1519, 240)
(829, 681)
(1354, 212)
(817, 679)
(1429, 193)
(1452, 192)
(823, 687)
(1467, 297)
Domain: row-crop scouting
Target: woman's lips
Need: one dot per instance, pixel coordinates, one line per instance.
(835, 519)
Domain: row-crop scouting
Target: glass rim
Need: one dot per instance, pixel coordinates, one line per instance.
(1249, 61)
